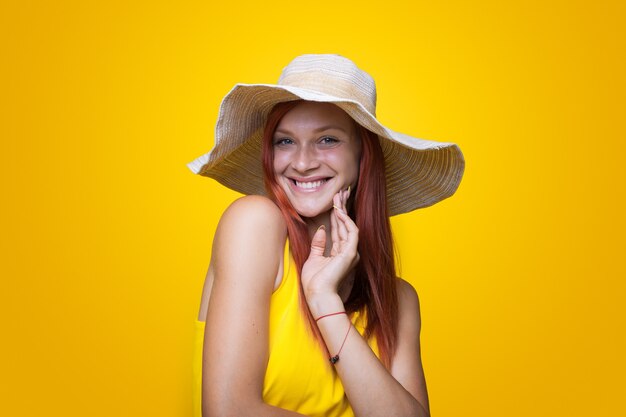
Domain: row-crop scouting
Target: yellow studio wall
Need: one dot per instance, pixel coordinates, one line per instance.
(106, 235)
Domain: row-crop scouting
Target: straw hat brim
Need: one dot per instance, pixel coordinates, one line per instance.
(419, 172)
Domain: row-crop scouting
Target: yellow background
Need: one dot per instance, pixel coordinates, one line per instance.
(106, 234)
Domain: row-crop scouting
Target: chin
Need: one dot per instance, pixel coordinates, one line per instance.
(310, 212)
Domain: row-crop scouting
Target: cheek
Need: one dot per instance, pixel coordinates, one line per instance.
(355, 168)
(280, 161)
(347, 163)
(351, 157)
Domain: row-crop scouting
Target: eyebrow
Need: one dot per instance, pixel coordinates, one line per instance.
(317, 130)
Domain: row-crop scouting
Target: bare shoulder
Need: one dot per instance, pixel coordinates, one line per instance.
(249, 239)
(408, 303)
(251, 229)
(252, 216)
(255, 203)
(407, 296)
(254, 209)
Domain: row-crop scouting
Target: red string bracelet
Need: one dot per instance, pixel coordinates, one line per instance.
(334, 359)
(328, 315)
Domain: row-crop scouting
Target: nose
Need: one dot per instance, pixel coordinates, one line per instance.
(305, 159)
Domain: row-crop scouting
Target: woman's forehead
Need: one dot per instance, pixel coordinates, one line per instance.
(316, 116)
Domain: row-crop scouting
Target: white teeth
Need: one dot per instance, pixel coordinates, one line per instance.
(309, 185)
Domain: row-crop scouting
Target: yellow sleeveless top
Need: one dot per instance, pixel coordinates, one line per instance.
(299, 376)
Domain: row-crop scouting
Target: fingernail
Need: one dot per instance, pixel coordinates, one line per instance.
(348, 190)
(322, 227)
(337, 208)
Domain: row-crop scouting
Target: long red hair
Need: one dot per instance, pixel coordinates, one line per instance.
(374, 290)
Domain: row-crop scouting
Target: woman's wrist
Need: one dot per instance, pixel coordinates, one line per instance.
(324, 303)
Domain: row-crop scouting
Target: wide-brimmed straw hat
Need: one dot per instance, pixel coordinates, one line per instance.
(419, 172)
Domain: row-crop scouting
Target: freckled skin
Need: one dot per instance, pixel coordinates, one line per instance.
(316, 142)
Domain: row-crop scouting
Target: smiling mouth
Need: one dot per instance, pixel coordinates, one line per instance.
(309, 185)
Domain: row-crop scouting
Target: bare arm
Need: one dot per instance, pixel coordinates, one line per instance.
(246, 255)
(370, 387)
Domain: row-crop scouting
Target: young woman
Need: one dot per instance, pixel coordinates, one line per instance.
(302, 312)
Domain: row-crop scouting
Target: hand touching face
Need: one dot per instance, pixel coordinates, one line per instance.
(321, 275)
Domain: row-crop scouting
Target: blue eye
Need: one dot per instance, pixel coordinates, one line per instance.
(283, 141)
(328, 140)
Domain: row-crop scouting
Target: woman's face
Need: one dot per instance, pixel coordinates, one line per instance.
(316, 154)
